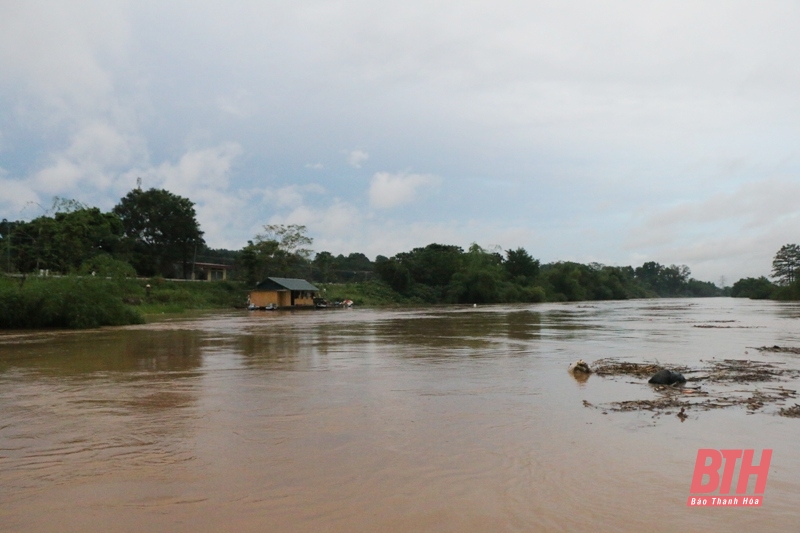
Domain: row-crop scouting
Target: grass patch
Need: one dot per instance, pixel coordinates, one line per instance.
(77, 302)
(177, 296)
(368, 293)
(69, 302)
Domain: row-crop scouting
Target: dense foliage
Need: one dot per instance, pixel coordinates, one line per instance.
(161, 230)
(68, 302)
(785, 267)
(155, 234)
(447, 274)
(754, 288)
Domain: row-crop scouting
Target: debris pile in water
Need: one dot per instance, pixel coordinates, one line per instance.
(745, 371)
(709, 389)
(779, 349)
(791, 412)
(612, 367)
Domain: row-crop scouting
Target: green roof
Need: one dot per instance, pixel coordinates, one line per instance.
(285, 284)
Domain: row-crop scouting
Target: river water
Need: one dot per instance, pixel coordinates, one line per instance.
(439, 419)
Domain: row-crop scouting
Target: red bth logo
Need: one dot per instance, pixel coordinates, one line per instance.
(708, 478)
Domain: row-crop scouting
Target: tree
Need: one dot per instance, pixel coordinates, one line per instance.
(395, 274)
(753, 288)
(64, 241)
(278, 251)
(161, 229)
(291, 239)
(520, 264)
(786, 264)
(434, 264)
(480, 278)
(323, 262)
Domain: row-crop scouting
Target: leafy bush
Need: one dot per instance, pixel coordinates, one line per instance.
(69, 302)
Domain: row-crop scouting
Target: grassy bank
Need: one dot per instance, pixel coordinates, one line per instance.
(178, 296)
(86, 302)
(69, 302)
(373, 293)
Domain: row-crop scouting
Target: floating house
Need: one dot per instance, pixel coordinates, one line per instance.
(283, 292)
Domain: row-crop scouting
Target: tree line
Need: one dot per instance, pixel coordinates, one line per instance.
(149, 233)
(156, 233)
(785, 272)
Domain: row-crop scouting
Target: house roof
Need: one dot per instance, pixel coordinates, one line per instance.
(213, 265)
(285, 284)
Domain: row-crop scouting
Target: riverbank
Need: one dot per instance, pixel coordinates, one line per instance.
(78, 302)
(85, 302)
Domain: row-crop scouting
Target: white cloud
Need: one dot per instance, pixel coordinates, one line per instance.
(199, 170)
(356, 157)
(579, 119)
(290, 195)
(390, 190)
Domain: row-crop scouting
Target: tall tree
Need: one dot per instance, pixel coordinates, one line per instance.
(161, 229)
(278, 251)
(520, 265)
(786, 264)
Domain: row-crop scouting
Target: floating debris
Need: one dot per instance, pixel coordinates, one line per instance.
(580, 366)
(612, 367)
(714, 326)
(745, 371)
(714, 393)
(779, 349)
(791, 412)
(667, 377)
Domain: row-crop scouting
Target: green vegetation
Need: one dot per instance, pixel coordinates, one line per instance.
(753, 288)
(160, 230)
(63, 303)
(175, 296)
(785, 266)
(373, 293)
(89, 302)
(77, 267)
(278, 252)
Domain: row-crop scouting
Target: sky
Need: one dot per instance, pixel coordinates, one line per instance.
(615, 132)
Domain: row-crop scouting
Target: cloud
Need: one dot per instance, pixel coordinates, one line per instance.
(617, 131)
(290, 195)
(391, 190)
(199, 170)
(735, 232)
(356, 157)
(96, 153)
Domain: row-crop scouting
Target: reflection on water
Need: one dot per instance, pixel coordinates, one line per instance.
(439, 419)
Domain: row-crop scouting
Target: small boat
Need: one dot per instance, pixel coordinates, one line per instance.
(270, 307)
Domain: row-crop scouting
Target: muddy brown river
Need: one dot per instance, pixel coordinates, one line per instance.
(441, 419)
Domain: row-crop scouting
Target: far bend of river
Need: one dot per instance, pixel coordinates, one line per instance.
(446, 419)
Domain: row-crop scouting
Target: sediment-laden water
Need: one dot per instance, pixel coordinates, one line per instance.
(442, 419)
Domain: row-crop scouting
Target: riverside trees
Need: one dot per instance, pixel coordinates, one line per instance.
(152, 230)
(785, 272)
(439, 273)
(786, 264)
(161, 229)
(278, 251)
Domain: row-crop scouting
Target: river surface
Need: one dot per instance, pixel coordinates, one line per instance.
(440, 419)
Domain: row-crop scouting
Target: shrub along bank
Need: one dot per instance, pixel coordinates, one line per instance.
(88, 302)
(69, 302)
